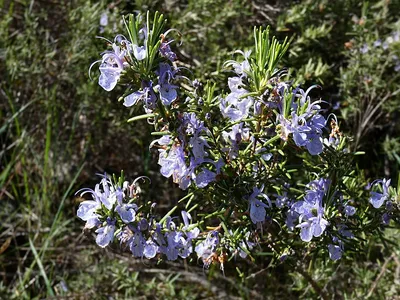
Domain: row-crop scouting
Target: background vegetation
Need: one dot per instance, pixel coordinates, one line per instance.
(58, 128)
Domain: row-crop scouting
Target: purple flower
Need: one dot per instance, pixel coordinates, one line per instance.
(282, 200)
(150, 249)
(377, 199)
(349, 210)
(265, 155)
(291, 217)
(234, 138)
(236, 105)
(343, 231)
(396, 36)
(134, 98)
(137, 244)
(386, 219)
(192, 234)
(377, 43)
(314, 143)
(234, 108)
(285, 127)
(87, 212)
(299, 130)
(146, 95)
(107, 196)
(166, 51)
(112, 64)
(127, 212)
(245, 246)
(105, 235)
(109, 77)
(192, 125)
(311, 211)
(207, 247)
(257, 207)
(305, 133)
(173, 245)
(205, 177)
(139, 52)
(364, 49)
(313, 140)
(335, 252)
(385, 45)
(243, 67)
(198, 144)
(168, 94)
(332, 142)
(173, 162)
(167, 91)
(104, 19)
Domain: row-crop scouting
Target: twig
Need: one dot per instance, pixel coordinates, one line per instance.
(383, 270)
(256, 273)
(315, 286)
(397, 272)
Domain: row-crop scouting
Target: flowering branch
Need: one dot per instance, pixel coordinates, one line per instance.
(259, 160)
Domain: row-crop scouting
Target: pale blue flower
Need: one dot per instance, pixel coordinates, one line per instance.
(257, 207)
(127, 212)
(245, 246)
(146, 94)
(137, 244)
(283, 200)
(150, 249)
(364, 49)
(174, 244)
(236, 105)
(139, 52)
(311, 211)
(206, 248)
(349, 210)
(386, 218)
(343, 231)
(87, 212)
(109, 77)
(112, 64)
(166, 51)
(377, 43)
(205, 177)
(105, 235)
(234, 138)
(241, 68)
(104, 19)
(168, 94)
(173, 162)
(335, 252)
(377, 199)
(167, 90)
(133, 98)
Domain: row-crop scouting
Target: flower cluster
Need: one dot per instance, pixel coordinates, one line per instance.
(305, 122)
(311, 211)
(391, 42)
(182, 157)
(377, 199)
(115, 215)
